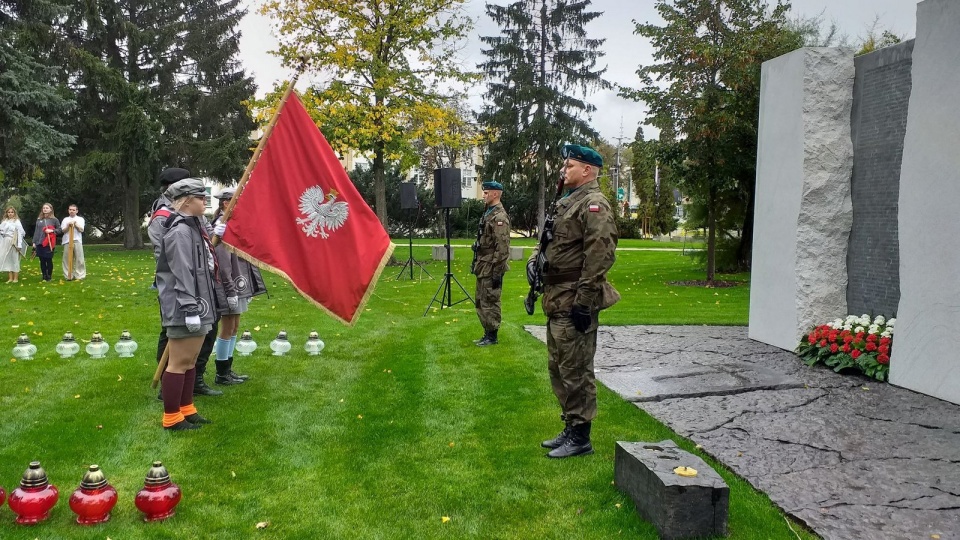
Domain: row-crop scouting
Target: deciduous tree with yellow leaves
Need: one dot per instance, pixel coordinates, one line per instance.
(384, 63)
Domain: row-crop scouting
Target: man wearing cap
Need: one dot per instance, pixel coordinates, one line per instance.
(161, 211)
(577, 260)
(492, 250)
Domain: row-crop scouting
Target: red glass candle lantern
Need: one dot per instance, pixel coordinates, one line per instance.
(94, 499)
(159, 495)
(35, 497)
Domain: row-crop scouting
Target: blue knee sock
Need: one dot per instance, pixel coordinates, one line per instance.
(222, 347)
(233, 344)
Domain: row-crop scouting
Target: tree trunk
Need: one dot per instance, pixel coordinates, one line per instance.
(379, 185)
(132, 239)
(745, 249)
(711, 237)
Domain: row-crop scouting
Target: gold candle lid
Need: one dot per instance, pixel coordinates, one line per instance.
(94, 478)
(157, 475)
(34, 476)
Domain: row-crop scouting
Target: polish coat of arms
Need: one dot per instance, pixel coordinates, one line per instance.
(324, 213)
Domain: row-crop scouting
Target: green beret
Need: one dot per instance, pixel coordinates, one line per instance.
(184, 188)
(487, 186)
(582, 153)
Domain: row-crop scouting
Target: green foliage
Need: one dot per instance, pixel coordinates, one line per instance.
(539, 69)
(385, 62)
(33, 106)
(708, 53)
(157, 83)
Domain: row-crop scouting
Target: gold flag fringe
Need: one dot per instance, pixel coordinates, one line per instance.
(363, 301)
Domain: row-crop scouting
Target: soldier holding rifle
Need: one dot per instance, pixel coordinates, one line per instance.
(490, 254)
(570, 266)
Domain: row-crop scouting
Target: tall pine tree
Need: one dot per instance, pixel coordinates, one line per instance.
(540, 67)
(157, 84)
(32, 106)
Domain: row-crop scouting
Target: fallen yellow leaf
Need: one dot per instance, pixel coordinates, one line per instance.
(444, 519)
(76, 396)
(263, 524)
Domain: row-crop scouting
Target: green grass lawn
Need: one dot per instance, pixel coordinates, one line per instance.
(400, 422)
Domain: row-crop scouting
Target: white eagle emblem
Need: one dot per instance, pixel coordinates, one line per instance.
(322, 217)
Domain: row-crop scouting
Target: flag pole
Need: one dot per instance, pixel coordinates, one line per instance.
(165, 357)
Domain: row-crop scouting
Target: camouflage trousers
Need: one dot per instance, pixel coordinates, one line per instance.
(488, 304)
(571, 369)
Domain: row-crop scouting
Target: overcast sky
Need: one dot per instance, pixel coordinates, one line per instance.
(624, 50)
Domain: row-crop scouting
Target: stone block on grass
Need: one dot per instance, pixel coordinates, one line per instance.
(440, 253)
(678, 506)
(516, 253)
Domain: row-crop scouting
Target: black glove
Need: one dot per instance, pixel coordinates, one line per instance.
(497, 281)
(581, 318)
(531, 271)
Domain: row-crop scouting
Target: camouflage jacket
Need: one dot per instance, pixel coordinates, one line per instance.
(581, 252)
(493, 250)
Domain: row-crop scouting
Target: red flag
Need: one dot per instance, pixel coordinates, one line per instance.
(301, 217)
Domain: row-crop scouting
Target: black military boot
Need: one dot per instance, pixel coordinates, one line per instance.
(233, 373)
(558, 441)
(577, 444)
(224, 377)
(489, 339)
(200, 388)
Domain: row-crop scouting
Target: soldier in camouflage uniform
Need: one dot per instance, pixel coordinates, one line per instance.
(492, 250)
(577, 261)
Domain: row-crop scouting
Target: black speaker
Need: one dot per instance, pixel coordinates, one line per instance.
(446, 187)
(408, 195)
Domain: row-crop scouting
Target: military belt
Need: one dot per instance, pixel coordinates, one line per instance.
(561, 277)
(485, 251)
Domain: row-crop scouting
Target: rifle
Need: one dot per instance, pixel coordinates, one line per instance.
(535, 274)
(476, 243)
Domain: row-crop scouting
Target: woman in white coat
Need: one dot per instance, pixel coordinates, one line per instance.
(11, 244)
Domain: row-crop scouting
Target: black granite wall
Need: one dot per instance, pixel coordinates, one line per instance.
(881, 93)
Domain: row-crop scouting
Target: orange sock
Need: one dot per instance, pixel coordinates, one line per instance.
(187, 410)
(170, 419)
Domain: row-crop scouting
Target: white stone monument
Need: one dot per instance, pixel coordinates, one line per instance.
(803, 208)
(926, 343)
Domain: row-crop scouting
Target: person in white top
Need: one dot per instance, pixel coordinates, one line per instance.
(72, 227)
(12, 244)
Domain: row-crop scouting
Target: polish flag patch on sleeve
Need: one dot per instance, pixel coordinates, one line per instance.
(594, 207)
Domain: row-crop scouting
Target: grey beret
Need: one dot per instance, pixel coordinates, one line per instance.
(185, 187)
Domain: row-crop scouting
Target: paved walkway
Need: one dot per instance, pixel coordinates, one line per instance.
(851, 457)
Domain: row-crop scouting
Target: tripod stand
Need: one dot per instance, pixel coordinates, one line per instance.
(410, 260)
(445, 291)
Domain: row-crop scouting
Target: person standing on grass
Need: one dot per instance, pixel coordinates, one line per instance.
(491, 253)
(77, 223)
(247, 283)
(45, 239)
(185, 283)
(577, 260)
(11, 244)
(161, 209)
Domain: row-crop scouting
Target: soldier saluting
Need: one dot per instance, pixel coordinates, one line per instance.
(490, 254)
(577, 258)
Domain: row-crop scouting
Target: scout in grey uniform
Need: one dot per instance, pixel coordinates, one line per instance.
(577, 261)
(160, 210)
(491, 252)
(246, 282)
(185, 284)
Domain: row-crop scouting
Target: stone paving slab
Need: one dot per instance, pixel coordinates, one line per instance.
(851, 457)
